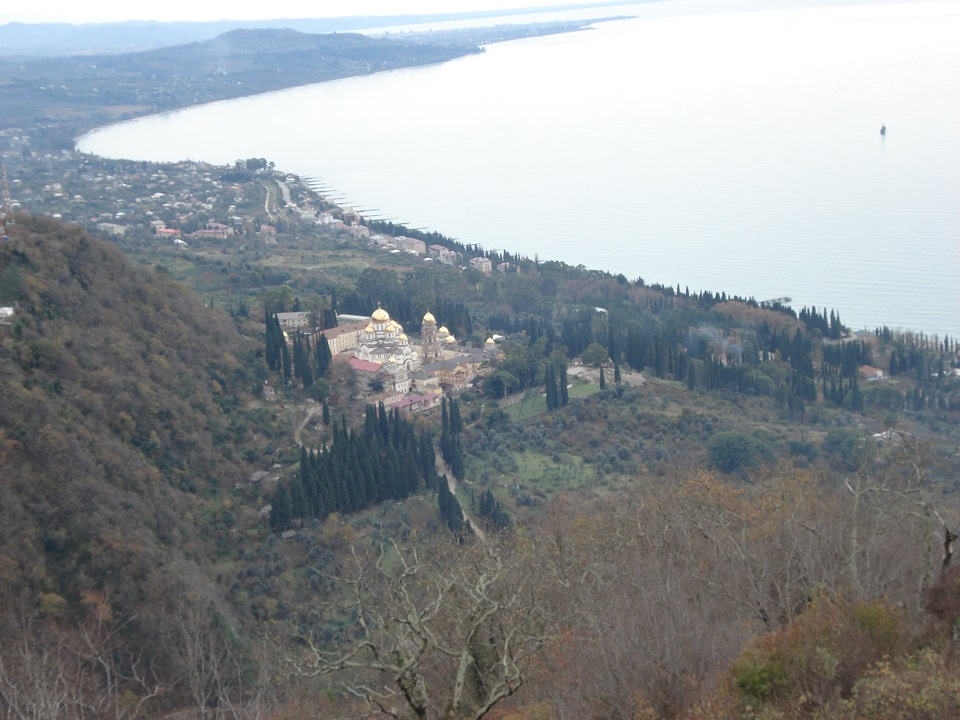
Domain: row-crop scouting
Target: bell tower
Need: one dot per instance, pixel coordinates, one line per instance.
(431, 340)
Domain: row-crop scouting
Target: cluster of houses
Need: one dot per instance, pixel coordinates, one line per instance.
(393, 369)
(175, 201)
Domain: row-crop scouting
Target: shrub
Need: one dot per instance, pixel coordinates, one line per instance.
(819, 657)
(919, 687)
(733, 451)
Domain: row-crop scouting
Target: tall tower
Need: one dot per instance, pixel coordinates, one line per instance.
(431, 340)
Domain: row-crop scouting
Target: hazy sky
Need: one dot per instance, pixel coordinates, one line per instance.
(73, 11)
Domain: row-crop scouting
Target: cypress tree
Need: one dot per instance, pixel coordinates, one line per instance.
(285, 360)
(280, 509)
(564, 397)
(443, 498)
(298, 502)
(383, 422)
(603, 381)
(457, 466)
(297, 356)
(323, 355)
(616, 372)
(550, 386)
(369, 423)
(428, 461)
(456, 423)
(411, 475)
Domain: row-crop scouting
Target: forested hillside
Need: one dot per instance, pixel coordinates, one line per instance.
(123, 403)
(663, 504)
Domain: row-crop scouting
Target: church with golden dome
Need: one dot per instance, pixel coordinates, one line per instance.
(434, 339)
(383, 341)
(383, 353)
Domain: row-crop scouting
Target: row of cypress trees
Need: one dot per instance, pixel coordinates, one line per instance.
(387, 460)
(451, 438)
(451, 511)
(306, 363)
(556, 384)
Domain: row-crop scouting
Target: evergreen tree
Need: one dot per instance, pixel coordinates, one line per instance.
(450, 510)
(428, 461)
(457, 466)
(492, 511)
(564, 396)
(297, 356)
(285, 361)
(306, 372)
(383, 422)
(323, 355)
(280, 510)
(456, 423)
(274, 340)
(326, 412)
(553, 393)
(298, 502)
(617, 379)
(603, 382)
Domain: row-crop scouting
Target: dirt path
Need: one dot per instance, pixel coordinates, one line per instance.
(312, 408)
(444, 471)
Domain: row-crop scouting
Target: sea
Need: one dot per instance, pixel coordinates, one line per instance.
(722, 145)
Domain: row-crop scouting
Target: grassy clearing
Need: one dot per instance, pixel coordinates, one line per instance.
(534, 405)
(542, 476)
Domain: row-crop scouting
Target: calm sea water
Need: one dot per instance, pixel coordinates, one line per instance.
(717, 144)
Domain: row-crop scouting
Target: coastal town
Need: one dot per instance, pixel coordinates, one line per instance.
(189, 203)
(234, 210)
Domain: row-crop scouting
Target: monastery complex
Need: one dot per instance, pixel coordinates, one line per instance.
(411, 376)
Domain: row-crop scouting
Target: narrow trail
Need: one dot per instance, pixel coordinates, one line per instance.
(269, 202)
(312, 409)
(443, 470)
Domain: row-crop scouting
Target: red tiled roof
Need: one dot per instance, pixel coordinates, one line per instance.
(363, 365)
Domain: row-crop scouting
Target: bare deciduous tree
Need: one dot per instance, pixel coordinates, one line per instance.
(219, 678)
(55, 670)
(40, 676)
(436, 631)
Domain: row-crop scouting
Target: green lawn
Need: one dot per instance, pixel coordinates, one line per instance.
(534, 405)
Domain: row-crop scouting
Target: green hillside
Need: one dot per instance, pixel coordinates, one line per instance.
(737, 522)
(123, 404)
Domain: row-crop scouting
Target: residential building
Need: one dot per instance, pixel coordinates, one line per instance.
(482, 264)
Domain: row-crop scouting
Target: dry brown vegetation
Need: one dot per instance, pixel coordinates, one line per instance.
(135, 581)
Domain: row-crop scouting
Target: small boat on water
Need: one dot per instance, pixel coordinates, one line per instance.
(883, 129)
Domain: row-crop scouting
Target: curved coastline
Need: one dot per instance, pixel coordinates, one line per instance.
(852, 227)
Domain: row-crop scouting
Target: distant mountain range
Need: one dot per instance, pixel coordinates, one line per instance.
(64, 39)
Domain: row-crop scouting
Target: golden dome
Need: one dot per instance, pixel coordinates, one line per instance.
(392, 326)
(392, 360)
(402, 337)
(443, 330)
(369, 328)
(489, 341)
(429, 318)
(450, 339)
(380, 315)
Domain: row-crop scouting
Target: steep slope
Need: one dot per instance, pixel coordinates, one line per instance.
(119, 403)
